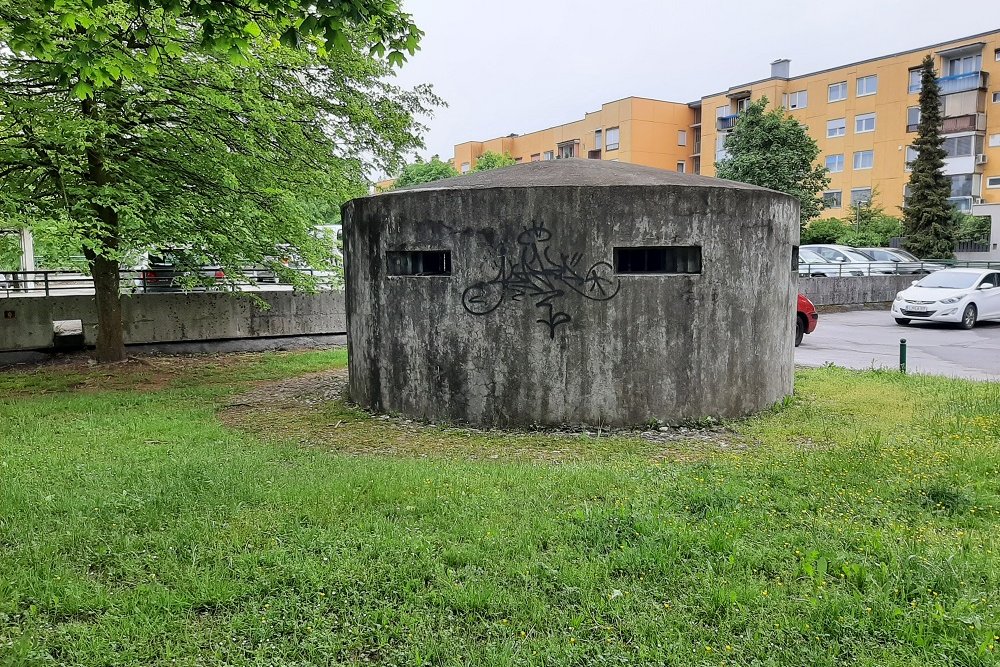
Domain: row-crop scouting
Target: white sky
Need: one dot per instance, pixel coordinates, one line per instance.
(522, 65)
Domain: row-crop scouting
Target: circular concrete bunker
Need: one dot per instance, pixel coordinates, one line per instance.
(571, 292)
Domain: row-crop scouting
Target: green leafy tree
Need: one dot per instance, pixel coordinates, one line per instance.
(870, 226)
(973, 228)
(773, 150)
(824, 230)
(424, 172)
(928, 217)
(493, 160)
(204, 124)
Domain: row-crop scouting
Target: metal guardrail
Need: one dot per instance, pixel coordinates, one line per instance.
(65, 283)
(878, 268)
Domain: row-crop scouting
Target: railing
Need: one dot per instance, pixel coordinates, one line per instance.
(971, 246)
(882, 268)
(727, 122)
(65, 283)
(959, 83)
(968, 123)
(697, 147)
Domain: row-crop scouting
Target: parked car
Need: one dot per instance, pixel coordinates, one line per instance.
(814, 266)
(905, 262)
(175, 271)
(961, 296)
(805, 319)
(853, 258)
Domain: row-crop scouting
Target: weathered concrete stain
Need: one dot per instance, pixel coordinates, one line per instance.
(513, 336)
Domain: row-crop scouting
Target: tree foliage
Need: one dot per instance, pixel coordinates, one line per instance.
(773, 150)
(424, 172)
(927, 215)
(493, 160)
(131, 125)
(867, 226)
(973, 228)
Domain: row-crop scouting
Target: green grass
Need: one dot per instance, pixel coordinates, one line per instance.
(856, 525)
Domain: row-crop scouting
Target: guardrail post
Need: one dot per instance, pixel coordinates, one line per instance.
(45, 277)
(902, 355)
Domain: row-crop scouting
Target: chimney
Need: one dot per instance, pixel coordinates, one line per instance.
(780, 68)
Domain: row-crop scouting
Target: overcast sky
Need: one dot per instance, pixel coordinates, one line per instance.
(521, 65)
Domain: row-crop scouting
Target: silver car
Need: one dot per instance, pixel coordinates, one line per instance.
(813, 266)
(853, 258)
(905, 262)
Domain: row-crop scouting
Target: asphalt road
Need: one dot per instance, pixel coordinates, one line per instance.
(870, 338)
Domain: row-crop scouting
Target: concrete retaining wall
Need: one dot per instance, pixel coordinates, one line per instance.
(851, 291)
(27, 322)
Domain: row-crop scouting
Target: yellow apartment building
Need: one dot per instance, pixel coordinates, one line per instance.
(636, 129)
(862, 115)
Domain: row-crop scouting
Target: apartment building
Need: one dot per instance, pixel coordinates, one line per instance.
(863, 116)
(655, 133)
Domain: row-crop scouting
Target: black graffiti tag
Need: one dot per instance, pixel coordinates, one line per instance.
(538, 276)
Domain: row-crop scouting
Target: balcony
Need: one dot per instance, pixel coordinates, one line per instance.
(727, 122)
(975, 122)
(697, 147)
(959, 83)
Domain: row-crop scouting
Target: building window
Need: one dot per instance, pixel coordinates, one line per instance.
(798, 100)
(465, 167)
(598, 136)
(959, 146)
(833, 199)
(994, 140)
(912, 118)
(965, 65)
(658, 259)
(996, 54)
(961, 185)
(911, 156)
(864, 123)
(567, 150)
(993, 182)
(867, 85)
(682, 137)
(535, 157)
(723, 111)
(680, 167)
(418, 262)
(861, 196)
(837, 92)
(996, 98)
(836, 127)
(742, 104)
(835, 163)
(547, 155)
(864, 159)
(612, 139)
(915, 84)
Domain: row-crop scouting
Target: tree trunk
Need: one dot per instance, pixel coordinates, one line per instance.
(110, 326)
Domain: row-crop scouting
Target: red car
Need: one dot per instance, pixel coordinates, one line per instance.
(805, 319)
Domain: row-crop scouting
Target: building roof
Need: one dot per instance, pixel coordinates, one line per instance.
(572, 172)
(855, 64)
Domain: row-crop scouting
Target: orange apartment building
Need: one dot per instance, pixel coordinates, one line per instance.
(862, 115)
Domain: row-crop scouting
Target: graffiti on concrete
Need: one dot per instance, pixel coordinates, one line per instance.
(542, 278)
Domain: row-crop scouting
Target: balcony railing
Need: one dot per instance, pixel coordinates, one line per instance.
(727, 122)
(959, 83)
(975, 122)
(697, 147)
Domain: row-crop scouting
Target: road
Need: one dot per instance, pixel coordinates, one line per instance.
(870, 338)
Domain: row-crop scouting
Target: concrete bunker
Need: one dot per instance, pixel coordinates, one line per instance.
(571, 292)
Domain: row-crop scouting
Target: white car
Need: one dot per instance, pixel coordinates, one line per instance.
(814, 266)
(851, 257)
(961, 296)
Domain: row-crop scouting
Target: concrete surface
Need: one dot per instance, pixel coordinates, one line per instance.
(533, 326)
(28, 323)
(866, 339)
(854, 291)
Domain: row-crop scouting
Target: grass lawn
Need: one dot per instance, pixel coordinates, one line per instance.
(856, 525)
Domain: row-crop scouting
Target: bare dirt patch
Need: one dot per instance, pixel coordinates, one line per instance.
(312, 410)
